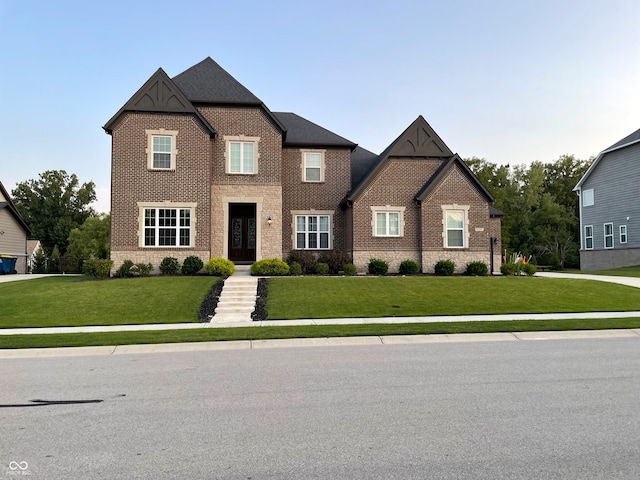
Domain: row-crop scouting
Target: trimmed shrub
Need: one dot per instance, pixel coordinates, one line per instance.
(322, 268)
(142, 269)
(528, 269)
(445, 268)
(169, 266)
(270, 266)
(377, 267)
(220, 267)
(192, 265)
(477, 269)
(349, 269)
(508, 268)
(125, 270)
(408, 267)
(295, 269)
(306, 259)
(335, 259)
(99, 268)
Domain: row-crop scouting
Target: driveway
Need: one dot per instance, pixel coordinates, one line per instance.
(629, 281)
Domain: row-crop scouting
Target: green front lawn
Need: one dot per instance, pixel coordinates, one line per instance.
(342, 297)
(77, 301)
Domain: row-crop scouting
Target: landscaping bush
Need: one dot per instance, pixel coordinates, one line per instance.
(508, 268)
(335, 259)
(322, 268)
(306, 259)
(192, 265)
(125, 270)
(220, 267)
(169, 266)
(270, 266)
(445, 268)
(349, 269)
(99, 268)
(39, 261)
(295, 269)
(477, 269)
(408, 267)
(377, 267)
(142, 269)
(528, 269)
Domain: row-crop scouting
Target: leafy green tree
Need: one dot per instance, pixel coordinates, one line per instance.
(53, 205)
(91, 239)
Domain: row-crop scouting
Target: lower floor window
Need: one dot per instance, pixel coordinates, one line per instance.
(167, 227)
(623, 234)
(608, 235)
(387, 224)
(312, 232)
(588, 237)
(455, 228)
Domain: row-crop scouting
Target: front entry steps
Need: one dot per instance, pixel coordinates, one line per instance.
(238, 297)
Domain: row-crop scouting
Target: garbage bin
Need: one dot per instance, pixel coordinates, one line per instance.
(8, 264)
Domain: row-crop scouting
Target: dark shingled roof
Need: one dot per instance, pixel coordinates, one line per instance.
(634, 137)
(362, 161)
(208, 82)
(303, 133)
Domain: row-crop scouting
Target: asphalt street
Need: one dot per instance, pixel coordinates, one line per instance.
(545, 409)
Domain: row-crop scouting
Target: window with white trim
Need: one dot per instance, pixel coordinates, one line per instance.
(623, 234)
(313, 232)
(587, 197)
(161, 149)
(167, 227)
(241, 157)
(608, 235)
(455, 231)
(387, 224)
(313, 163)
(588, 237)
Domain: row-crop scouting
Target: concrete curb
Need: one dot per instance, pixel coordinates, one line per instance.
(388, 340)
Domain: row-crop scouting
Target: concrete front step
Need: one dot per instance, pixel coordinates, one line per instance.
(237, 300)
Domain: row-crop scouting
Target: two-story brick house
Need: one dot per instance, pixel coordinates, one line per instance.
(200, 166)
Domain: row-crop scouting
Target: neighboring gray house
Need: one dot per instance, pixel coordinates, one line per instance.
(13, 231)
(610, 207)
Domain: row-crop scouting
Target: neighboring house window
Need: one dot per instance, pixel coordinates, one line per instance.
(388, 221)
(312, 232)
(167, 225)
(242, 154)
(608, 235)
(313, 166)
(623, 234)
(588, 237)
(587, 197)
(161, 149)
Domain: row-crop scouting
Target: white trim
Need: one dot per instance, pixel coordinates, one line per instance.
(144, 206)
(322, 167)
(242, 139)
(588, 197)
(387, 209)
(311, 213)
(465, 225)
(620, 228)
(588, 236)
(605, 235)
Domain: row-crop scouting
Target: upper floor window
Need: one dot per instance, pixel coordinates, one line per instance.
(161, 149)
(587, 197)
(242, 155)
(313, 166)
(608, 235)
(588, 237)
(623, 234)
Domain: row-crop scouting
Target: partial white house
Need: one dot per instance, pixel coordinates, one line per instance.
(610, 207)
(13, 231)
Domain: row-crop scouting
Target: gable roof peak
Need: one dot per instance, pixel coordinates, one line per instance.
(208, 82)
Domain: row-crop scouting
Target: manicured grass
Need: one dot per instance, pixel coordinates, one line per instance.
(262, 333)
(77, 301)
(343, 297)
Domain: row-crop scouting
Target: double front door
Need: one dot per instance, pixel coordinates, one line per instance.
(242, 232)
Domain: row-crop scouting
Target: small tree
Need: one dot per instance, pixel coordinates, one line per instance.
(39, 261)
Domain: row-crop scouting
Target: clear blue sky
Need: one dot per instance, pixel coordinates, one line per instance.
(510, 81)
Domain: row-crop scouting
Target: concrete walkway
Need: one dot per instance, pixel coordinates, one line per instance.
(228, 319)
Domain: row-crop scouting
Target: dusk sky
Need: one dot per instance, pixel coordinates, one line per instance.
(509, 81)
